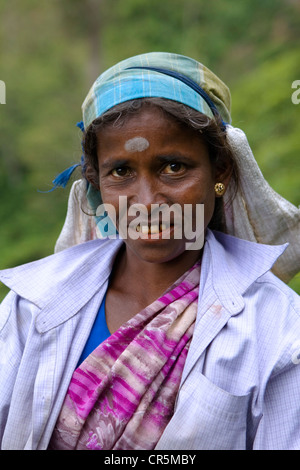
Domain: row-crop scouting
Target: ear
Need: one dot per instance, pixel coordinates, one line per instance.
(223, 175)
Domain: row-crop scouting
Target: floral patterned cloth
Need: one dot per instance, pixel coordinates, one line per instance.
(123, 395)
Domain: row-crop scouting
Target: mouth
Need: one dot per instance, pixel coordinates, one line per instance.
(149, 229)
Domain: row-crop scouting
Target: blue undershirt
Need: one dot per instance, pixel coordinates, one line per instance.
(98, 334)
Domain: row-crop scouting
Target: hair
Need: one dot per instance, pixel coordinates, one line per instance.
(210, 131)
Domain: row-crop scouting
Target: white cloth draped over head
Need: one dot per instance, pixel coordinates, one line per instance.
(257, 213)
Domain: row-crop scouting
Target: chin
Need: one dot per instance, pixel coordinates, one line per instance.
(158, 253)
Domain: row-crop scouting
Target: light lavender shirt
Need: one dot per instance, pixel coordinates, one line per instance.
(240, 385)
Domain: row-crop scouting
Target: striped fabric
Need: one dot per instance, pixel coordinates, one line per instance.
(119, 84)
(123, 395)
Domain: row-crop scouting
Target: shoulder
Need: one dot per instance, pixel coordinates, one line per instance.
(236, 265)
(248, 266)
(271, 317)
(241, 272)
(275, 289)
(277, 306)
(75, 267)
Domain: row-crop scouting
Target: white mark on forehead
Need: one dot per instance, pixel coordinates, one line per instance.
(137, 144)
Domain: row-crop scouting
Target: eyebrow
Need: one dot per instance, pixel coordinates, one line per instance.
(120, 162)
(174, 157)
(114, 163)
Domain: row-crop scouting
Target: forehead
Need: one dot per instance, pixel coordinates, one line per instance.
(147, 127)
(146, 117)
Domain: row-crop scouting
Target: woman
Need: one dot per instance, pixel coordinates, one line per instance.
(167, 332)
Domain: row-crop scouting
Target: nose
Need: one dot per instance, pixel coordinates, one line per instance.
(149, 191)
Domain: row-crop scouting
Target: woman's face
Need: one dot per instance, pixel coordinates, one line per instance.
(151, 161)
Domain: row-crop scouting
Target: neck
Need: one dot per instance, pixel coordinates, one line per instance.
(136, 274)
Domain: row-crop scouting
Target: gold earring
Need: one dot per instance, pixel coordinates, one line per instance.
(219, 189)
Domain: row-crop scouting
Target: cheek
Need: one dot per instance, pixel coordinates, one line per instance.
(202, 193)
(209, 202)
(115, 204)
(209, 208)
(199, 189)
(108, 192)
(109, 198)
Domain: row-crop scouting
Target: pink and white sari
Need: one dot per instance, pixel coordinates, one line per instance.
(123, 395)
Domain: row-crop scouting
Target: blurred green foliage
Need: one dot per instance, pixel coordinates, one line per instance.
(51, 52)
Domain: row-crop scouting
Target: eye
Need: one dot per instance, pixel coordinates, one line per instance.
(172, 168)
(121, 172)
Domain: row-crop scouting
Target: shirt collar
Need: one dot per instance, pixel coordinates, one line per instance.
(79, 272)
(236, 264)
(83, 267)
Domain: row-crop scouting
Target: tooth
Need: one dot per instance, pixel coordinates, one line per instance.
(154, 229)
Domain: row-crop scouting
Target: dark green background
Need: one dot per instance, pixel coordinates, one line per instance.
(52, 51)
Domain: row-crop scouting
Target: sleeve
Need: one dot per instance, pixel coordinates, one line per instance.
(13, 332)
(279, 428)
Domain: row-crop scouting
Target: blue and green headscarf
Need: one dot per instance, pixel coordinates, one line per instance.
(157, 74)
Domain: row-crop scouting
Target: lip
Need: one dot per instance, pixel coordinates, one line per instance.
(164, 234)
(152, 227)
